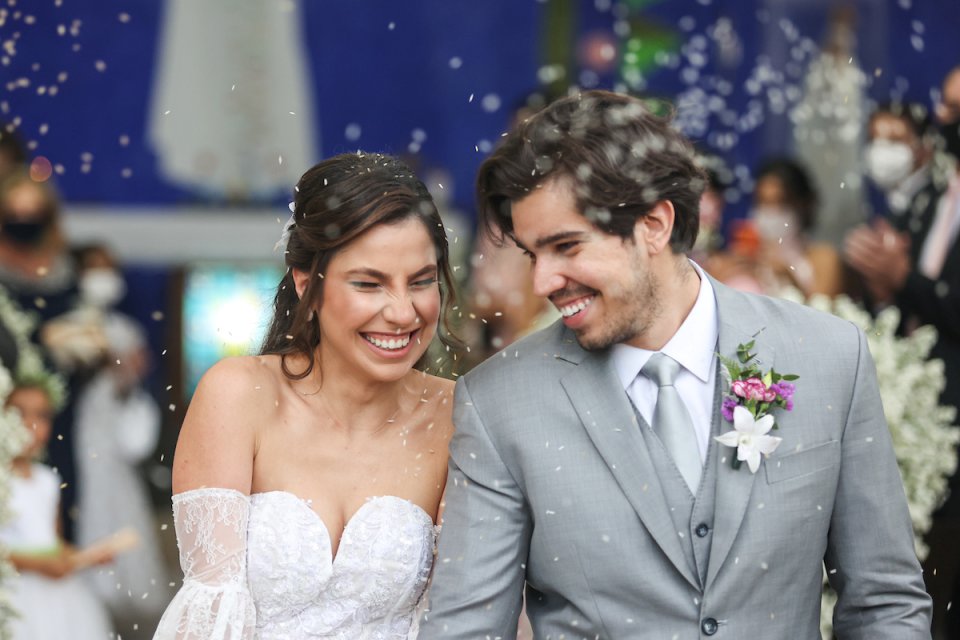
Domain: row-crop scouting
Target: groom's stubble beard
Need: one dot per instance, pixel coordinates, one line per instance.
(639, 307)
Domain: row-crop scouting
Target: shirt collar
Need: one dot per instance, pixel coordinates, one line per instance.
(693, 345)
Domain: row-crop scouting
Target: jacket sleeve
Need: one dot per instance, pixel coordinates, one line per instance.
(479, 574)
(870, 558)
(935, 302)
(214, 602)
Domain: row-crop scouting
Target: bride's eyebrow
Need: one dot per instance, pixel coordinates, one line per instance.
(379, 275)
(365, 271)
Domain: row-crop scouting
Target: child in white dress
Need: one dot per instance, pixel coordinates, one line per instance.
(51, 600)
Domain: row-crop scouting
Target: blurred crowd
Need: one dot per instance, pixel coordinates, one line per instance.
(83, 531)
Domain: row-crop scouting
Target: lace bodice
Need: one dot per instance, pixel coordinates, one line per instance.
(261, 567)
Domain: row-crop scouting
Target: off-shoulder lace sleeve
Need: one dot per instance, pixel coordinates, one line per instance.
(214, 602)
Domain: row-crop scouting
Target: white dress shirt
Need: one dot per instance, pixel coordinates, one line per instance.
(694, 346)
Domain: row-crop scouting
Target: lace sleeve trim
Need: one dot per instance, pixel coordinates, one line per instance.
(211, 529)
(214, 602)
(193, 494)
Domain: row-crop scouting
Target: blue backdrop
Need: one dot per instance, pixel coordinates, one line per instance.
(392, 81)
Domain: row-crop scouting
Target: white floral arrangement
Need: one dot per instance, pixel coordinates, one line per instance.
(31, 370)
(924, 432)
(13, 437)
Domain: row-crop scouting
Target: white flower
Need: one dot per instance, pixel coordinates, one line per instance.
(750, 437)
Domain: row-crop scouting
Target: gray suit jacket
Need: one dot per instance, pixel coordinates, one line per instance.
(552, 486)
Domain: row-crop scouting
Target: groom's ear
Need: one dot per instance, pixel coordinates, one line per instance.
(654, 229)
(300, 279)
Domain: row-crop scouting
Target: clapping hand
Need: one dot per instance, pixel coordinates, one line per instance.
(881, 255)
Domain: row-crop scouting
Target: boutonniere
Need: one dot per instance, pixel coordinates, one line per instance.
(748, 404)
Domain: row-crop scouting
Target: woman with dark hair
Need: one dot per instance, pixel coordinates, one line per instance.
(784, 212)
(772, 250)
(307, 480)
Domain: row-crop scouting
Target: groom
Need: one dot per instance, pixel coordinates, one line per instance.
(586, 463)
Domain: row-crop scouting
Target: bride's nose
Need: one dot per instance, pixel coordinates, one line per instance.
(400, 310)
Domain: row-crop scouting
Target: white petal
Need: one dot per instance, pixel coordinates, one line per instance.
(767, 444)
(752, 456)
(742, 419)
(730, 439)
(763, 425)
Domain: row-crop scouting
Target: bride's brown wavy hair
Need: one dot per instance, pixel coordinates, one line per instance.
(335, 202)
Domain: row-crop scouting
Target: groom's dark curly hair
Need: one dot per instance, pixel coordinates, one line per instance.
(620, 157)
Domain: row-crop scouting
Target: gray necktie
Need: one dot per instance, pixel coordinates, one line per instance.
(671, 421)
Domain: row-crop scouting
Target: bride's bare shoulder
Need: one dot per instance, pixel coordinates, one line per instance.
(218, 439)
(237, 378)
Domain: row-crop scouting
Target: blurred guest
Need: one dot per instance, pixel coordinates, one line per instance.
(784, 212)
(503, 307)
(35, 266)
(51, 600)
(117, 424)
(772, 250)
(914, 263)
(501, 297)
(898, 154)
(38, 272)
(712, 202)
(13, 155)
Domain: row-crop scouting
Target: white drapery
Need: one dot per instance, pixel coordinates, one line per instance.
(231, 113)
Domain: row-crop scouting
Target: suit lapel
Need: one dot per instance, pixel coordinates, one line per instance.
(603, 407)
(739, 324)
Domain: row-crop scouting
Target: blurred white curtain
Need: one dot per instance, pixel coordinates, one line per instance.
(231, 114)
(829, 130)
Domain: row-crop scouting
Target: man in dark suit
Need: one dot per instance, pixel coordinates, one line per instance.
(914, 262)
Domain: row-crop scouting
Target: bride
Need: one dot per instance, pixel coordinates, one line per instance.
(308, 479)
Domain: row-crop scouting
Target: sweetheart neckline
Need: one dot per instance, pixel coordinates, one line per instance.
(334, 556)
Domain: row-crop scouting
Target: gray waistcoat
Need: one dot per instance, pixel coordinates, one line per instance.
(692, 516)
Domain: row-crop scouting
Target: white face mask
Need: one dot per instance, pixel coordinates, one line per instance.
(102, 287)
(774, 223)
(888, 162)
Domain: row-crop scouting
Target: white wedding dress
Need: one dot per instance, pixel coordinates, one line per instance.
(261, 567)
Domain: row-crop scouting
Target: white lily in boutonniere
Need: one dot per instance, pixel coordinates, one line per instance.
(750, 437)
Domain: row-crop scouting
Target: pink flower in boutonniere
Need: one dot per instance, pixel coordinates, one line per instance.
(753, 395)
(753, 389)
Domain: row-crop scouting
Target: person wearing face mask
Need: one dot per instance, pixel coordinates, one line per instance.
(117, 426)
(35, 266)
(913, 262)
(782, 254)
(77, 340)
(897, 157)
